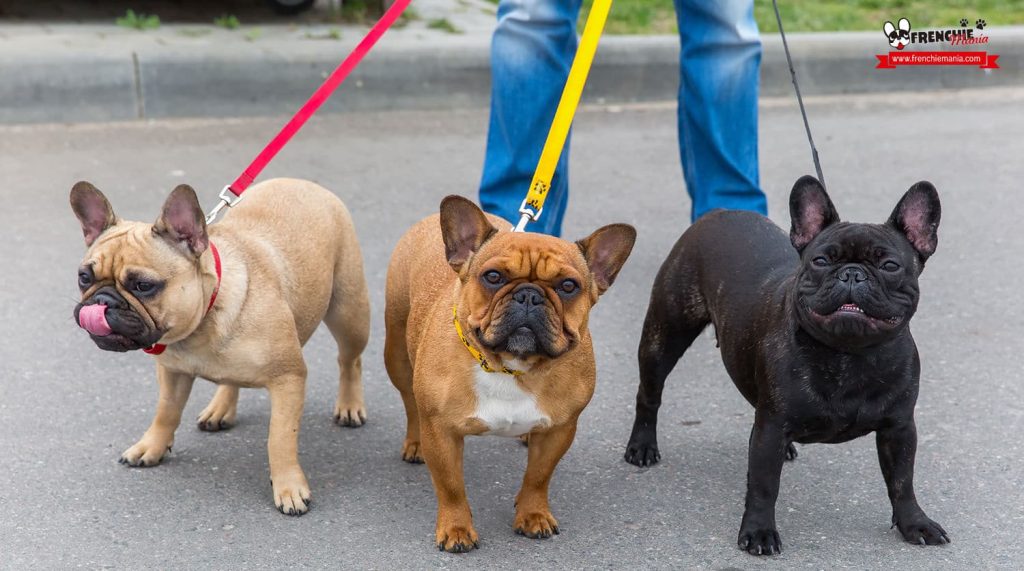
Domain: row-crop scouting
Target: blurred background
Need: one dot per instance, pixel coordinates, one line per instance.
(630, 16)
(100, 60)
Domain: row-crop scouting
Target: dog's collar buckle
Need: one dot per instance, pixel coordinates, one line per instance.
(476, 352)
(159, 348)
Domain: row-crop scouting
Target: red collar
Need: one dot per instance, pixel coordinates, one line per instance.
(158, 348)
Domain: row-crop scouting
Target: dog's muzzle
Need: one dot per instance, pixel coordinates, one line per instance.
(113, 325)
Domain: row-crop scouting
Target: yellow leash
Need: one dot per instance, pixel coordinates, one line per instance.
(533, 204)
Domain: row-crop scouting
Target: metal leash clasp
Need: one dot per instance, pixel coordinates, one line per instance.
(227, 198)
(527, 215)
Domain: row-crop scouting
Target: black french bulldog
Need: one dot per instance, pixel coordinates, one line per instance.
(818, 342)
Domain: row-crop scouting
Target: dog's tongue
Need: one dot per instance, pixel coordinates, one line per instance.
(93, 319)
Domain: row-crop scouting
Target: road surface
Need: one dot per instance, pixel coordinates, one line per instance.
(67, 409)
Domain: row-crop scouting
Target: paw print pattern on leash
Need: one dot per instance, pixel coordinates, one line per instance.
(964, 22)
(980, 24)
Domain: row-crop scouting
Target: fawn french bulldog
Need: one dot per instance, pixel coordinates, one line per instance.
(487, 335)
(233, 303)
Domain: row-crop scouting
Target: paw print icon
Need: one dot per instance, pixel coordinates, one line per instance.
(980, 24)
(964, 23)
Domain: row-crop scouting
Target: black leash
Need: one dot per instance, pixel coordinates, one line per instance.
(800, 100)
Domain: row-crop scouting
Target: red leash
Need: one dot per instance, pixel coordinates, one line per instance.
(233, 192)
(157, 348)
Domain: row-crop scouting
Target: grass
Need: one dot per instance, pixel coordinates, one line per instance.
(138, 21)
(444, 25)
(194, 32)
(410, 15)
(832, 15)
(636, 17)
(658, 16)
(332, 34)
(227, 21)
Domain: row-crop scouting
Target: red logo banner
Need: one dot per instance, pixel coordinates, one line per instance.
(983, 60)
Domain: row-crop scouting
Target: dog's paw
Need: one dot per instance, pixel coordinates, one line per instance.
(292, 495)
(145, 453)
(457, 538)
(411, 452)
(642, 452)
(921, 530)
(791, 452)
(760, 541)
(535, 524)
(980, 24)
(216, 417)
(352, 415)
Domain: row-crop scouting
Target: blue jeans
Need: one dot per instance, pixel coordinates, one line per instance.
(720, 58)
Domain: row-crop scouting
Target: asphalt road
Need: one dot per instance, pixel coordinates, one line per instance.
(67, 409)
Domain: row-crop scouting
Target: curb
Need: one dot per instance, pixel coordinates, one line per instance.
(48, 81)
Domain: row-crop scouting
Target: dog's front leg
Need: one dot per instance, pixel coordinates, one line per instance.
(291, 491)
(758, 533)
(533, 514)
(897, 447)
(442, 450)
(159, 437)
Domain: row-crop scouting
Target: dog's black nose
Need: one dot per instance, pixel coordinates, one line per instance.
(528, 295)
(109, 297)
(853, 272)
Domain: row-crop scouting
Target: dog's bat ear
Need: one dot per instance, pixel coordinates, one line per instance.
(917, 216)
(464, 228)
(811, 211)
(904, 24)
(606, 250)
(92, 209)
(182, 222)
(888, 28)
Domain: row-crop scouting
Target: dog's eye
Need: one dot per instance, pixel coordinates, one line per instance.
(890, 266)
(84, 280)
(820, 261)
(493, 277)
(143, 287)
(568, 286)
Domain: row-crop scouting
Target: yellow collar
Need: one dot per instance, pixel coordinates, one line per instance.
(475, 352)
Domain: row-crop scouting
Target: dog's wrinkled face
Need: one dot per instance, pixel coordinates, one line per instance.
(147, 275)
(535, 293)
(857, 284)
(528, 295)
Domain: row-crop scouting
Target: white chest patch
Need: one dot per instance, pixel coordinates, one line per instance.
(506, 409)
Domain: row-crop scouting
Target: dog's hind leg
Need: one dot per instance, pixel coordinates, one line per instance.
(670, 328)
(399, 367)
(348, 319)
(222, 411)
